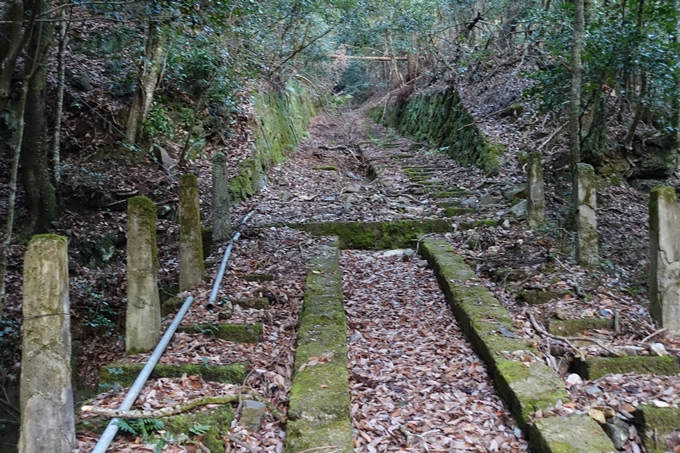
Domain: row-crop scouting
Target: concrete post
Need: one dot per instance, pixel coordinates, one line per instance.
(221, 226)
(664, 268)
(143, 319)
(585, 194)
(190, 242)
(535, 191)
(47, 419)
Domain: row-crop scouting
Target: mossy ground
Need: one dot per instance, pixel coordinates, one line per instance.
(124, 374)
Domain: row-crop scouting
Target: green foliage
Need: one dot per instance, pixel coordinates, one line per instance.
(199, 430)
(144, 427)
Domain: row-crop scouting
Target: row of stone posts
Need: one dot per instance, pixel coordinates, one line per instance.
(585, 206)
(46, 393)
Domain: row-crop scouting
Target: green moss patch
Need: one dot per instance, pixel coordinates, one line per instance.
(171, 305)
(655, 425)
(596, 367)
(326, 168)
(453, 212)
(124, 374)
(570, 327)
(238, 333)
(319, 410)
(575, 434)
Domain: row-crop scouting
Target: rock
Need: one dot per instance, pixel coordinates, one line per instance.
(617, 432)
(167, 161)
(573, 379)
(487, 200)
(597, 415)
(520, 209)
(354, 176)
(470, 203)
(660, 404)
(353, 188)
(515, 192)
(285, 196)
(506, 224)
(252, 414)
(627, 407)
(415, 210)
(594, 390)
(658, 349)
(329, 199)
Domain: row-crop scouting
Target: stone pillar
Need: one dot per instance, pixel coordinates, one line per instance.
(221, 225)
(535, 191)
(47, 419)
(143, 320)
(585, 194)
(664, 266)
(190, 242)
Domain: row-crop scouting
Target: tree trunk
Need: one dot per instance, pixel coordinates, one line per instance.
(41, 200)
(61, 72)
(575, 92)
(18, 36)
(154, 53)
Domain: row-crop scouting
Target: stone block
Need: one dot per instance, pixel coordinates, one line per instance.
(535, 191)
(596, 367)
(191, 238)
(585, 198)
(664, 249)
(221, 222)
(252, 414)
(124, 374)
(238, 333)
(568, 327)
(657, 424)
(575, 434)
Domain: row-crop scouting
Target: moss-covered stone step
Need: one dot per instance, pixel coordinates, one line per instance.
(319, 411)
(217, 418)
(541, 296)
(398, 234)
(596, 367)
(655, 425)
(567, 327)
(258, 303)
(524, 384)
(401, 156)
(124, 374)
(453, 212)
(258, 277)
(238, 333)
(450, 204)
(446, 193)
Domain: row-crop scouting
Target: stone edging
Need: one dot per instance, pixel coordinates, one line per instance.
(522, 380)
(319, 413)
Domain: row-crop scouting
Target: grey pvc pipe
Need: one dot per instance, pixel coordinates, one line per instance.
(136, 388)
(223, 265)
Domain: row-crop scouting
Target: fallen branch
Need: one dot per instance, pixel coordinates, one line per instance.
(184, 407)
(240, 443)
(652, 335)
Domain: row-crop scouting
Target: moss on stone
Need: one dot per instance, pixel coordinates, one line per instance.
(258, 303)
(539, 296)
(575, 434)
(171, 305)
(326, 168)
(655, 423)
(124, 374)
(146, 209)
(258, 277)
(453, 212)
(524, 386)
(377, 235)
(596, 367)
(319, 410)
(238, 333)
(569, 327)
(219, 419)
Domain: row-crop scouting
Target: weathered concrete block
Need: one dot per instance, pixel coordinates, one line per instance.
(568, 327)
(664, 250)
(252, 414)
(124, 374)
(585, 193)
(596, 367)
(535, 191)
(657, 426)
(575, 434)
(190, 243)
(221, 222)
(238, 333)
(46, 400)
(143, 318)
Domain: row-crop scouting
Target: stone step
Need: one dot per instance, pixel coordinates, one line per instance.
(595, 367)
(569, 327)
(237, 333)
(658, 425)
(454, 212)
